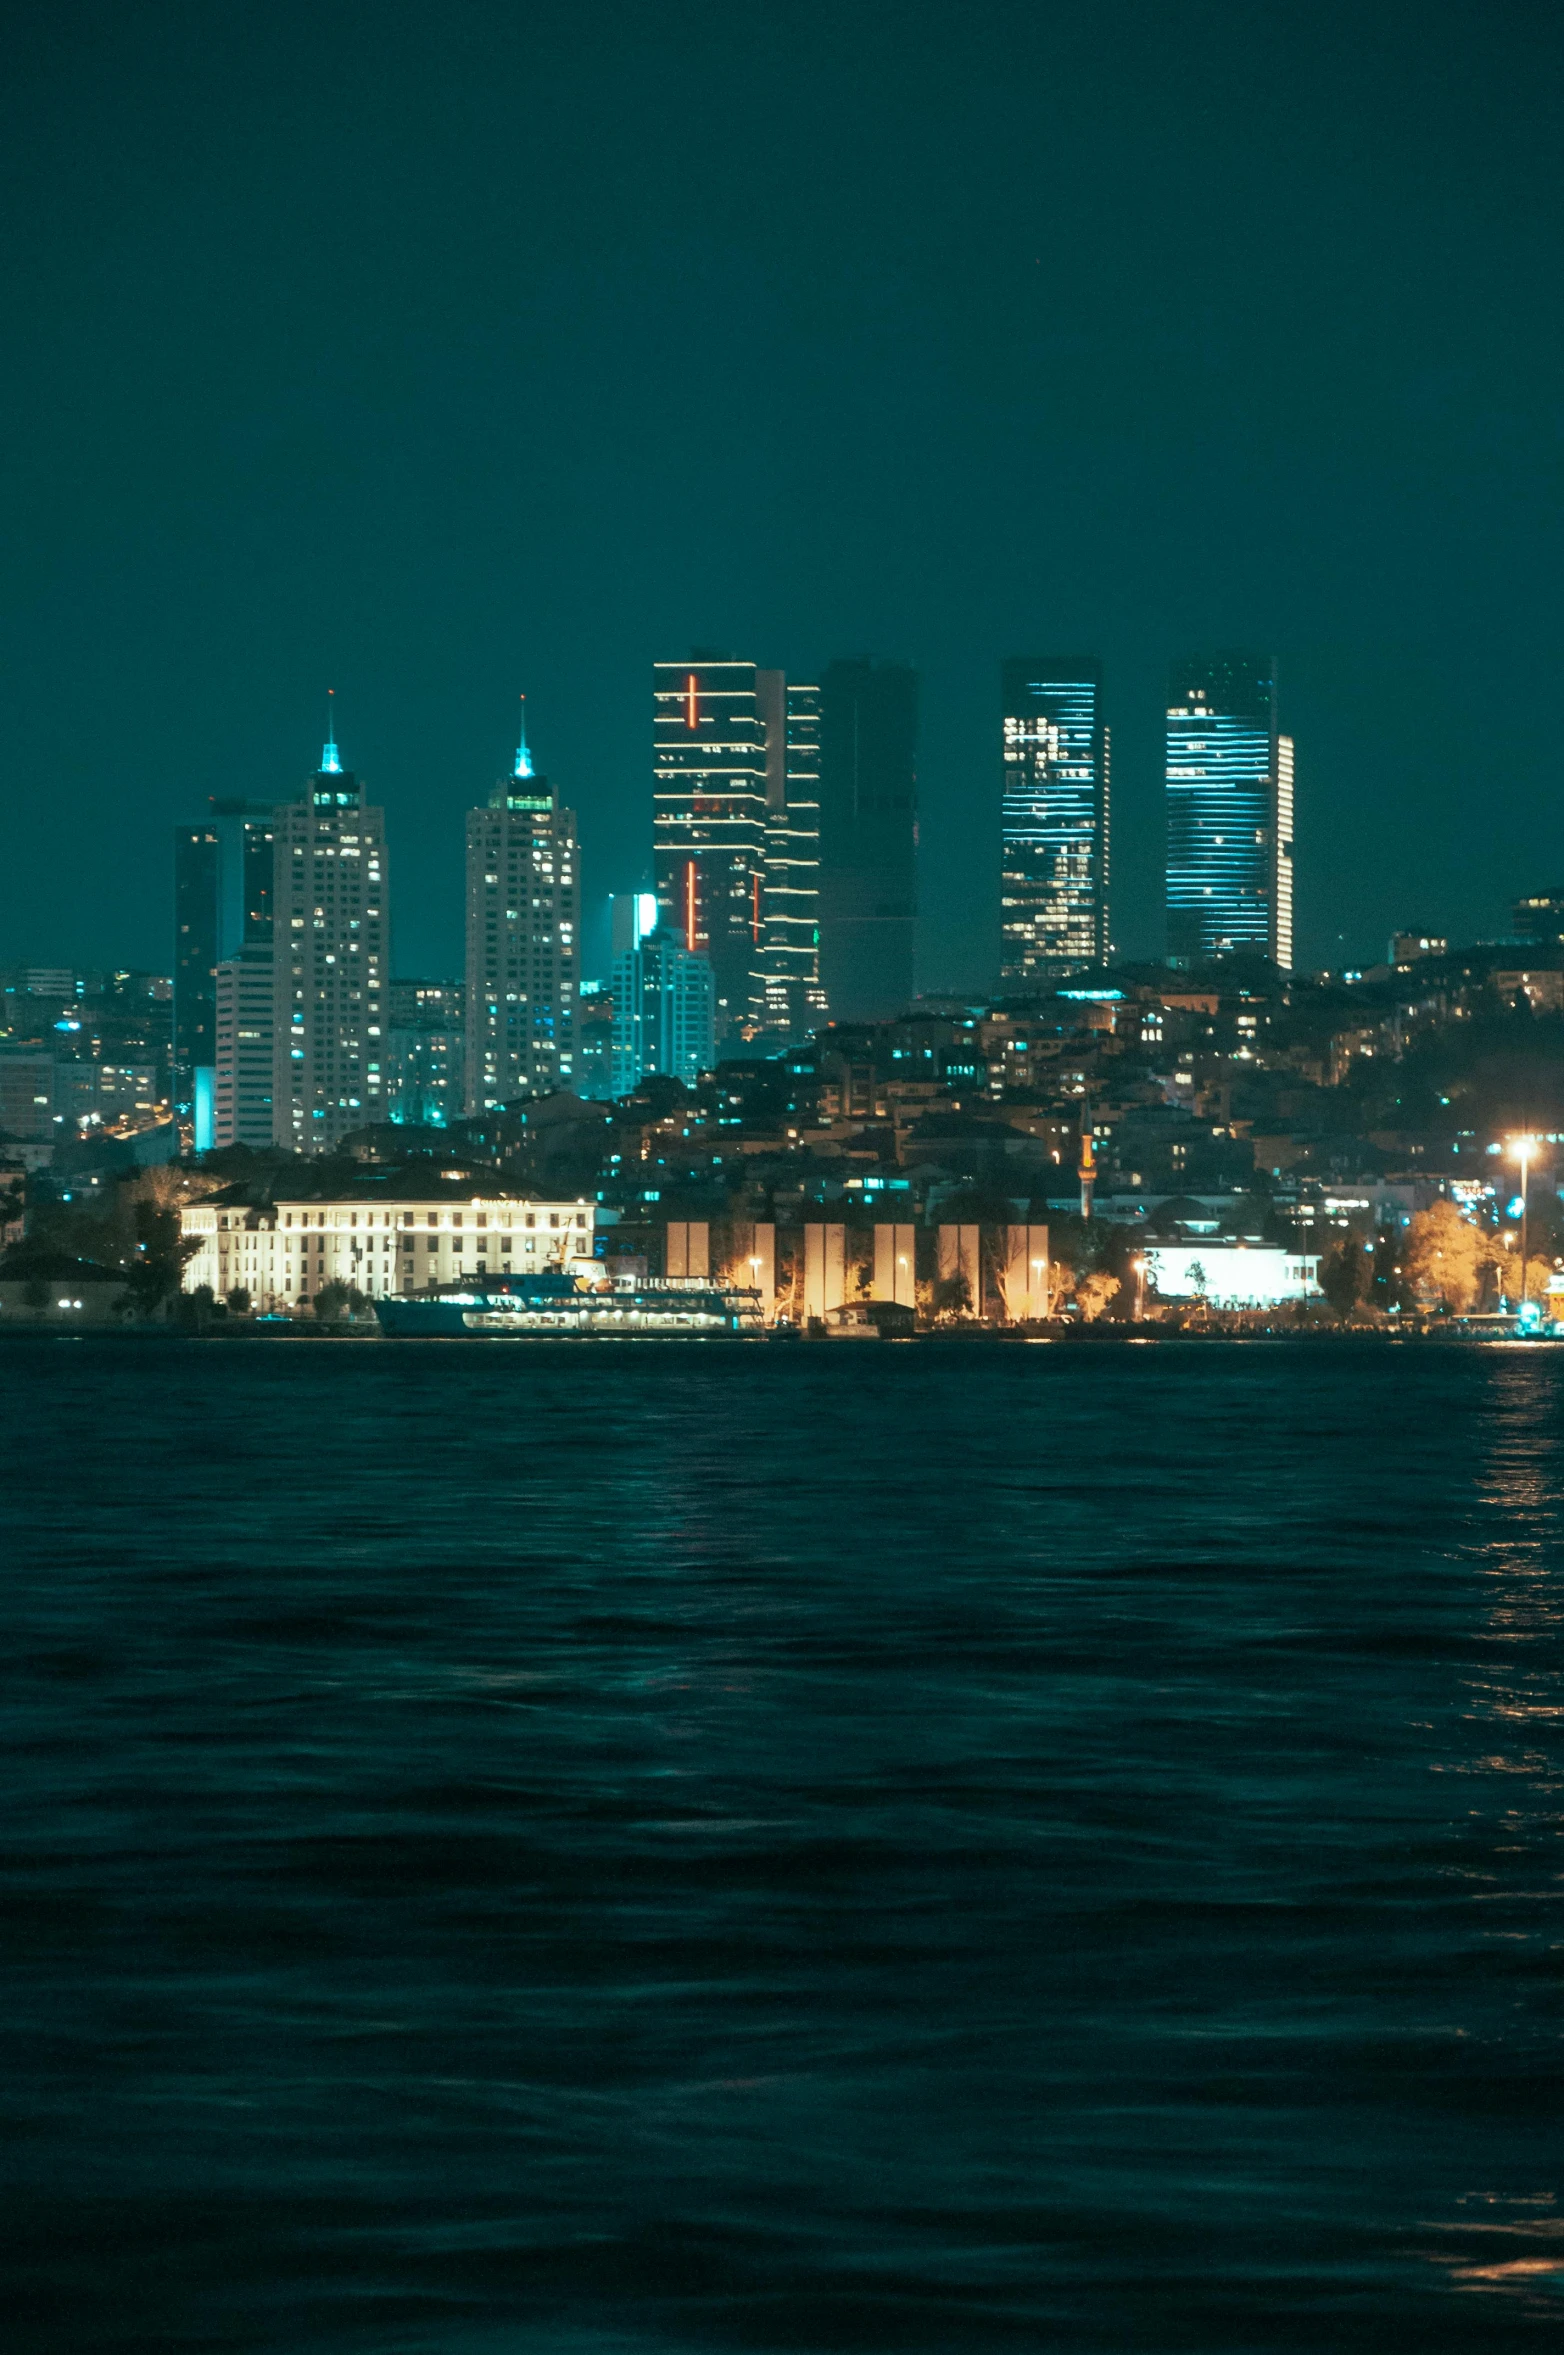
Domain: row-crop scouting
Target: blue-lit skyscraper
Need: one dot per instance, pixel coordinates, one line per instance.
(222, 908)
(664, 999)
(1054, 863)
(1230, 811)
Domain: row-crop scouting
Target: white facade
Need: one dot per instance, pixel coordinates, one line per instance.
(283, 1255)
(242, 1107)
(330, 1052)
(1232, 1275)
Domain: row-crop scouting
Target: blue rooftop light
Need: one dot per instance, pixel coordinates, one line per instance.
(330, 762)
(523, 756)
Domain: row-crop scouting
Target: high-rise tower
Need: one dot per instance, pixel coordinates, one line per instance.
(1054, 862)
(1230, 811)
(789, 1001)
(331, 961)
(868, 838)
(709, 821)
(222, 905)
(523, 939)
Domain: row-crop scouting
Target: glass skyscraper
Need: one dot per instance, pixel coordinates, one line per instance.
(789, 1001)
(1230, 811)
(868, 838)
(709, 822)
(222, 906)
(1054, 862)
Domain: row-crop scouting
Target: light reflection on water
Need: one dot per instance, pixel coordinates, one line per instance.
(532, 1850)
(1511, 2242)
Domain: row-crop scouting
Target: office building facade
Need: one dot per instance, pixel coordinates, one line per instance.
(223, 882)
(1230, 811)
(665, 999)
(331, 931)
(709, 818)
(789, 1000)
(245, 1055)
(868, 838)
(1054, 820)
(523, 941)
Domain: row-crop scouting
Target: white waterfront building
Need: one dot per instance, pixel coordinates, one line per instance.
(377, 1240)
(1232, 1275)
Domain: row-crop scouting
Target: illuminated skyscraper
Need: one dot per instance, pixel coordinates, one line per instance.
(789, 1000)
(222, 904)
(523, 940)
(709, 822)
(664, 999)
(1054, 862)
(331, 927)
(1230, 811)
(868, 838)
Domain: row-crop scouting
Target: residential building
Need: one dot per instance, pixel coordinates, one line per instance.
(1230, 811)
(399, 1234)
(223, 880)
(427, 1042)
(523, 940)
(868, 838)
(1054, 820)
(595, 1041)
(1409, 948)
(709, 822)
(1540, 916)
(331, 926)
(244, 1070)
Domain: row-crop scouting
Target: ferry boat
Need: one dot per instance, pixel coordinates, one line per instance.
(556, 1305)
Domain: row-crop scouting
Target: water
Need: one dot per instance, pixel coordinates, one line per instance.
(670, 1849)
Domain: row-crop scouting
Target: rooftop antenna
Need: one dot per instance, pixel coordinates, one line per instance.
(330, 763)
(523, 766)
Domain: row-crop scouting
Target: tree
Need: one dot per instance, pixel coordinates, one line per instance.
(1507, 1269)
(1094, 1292)
(239, 1301)
(1343, 1270)
(1061, 1283)
(1443, 1258)
(953, 1295)
(337, 1299)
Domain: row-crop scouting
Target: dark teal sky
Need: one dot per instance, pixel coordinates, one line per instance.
(432, 352)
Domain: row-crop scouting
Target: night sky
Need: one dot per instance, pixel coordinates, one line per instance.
(429, 353)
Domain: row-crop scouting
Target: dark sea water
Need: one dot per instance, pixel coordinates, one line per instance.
(616, 1849)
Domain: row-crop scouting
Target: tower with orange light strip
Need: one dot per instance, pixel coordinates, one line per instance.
(709, 823)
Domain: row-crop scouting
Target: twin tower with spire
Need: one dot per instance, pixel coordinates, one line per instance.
(523, 965)
(282, 975)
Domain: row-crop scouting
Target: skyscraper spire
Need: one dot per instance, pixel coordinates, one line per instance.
(523, 766)
(330, 762)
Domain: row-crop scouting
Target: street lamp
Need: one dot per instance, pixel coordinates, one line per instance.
(1521, 1150)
